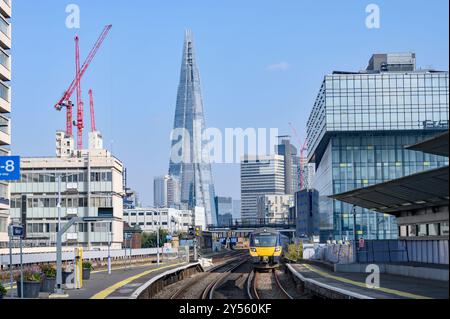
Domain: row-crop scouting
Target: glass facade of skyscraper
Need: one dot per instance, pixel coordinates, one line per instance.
(357, 132)
(189, 162)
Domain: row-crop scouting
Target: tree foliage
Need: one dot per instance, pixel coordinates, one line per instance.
(295, 252)
(149, 240)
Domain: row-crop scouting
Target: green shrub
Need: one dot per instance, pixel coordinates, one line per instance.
(49, 271)
(2, 290)
(295, 252)
(31, 275)
(87, 265)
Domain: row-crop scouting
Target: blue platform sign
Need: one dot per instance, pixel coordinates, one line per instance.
(16, 231)
(9, 168)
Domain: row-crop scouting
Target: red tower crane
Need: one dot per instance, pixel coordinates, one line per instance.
(65, 100)
(91, 103)
(303, 147)
(80, 106)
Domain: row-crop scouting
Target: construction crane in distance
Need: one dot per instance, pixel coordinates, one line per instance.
(91, 103)
(303, 148)
(65, 99)
(80, 106)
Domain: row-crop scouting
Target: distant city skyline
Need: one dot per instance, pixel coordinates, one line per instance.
(264, 70)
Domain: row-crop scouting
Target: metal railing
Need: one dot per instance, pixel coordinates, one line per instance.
(257, 222)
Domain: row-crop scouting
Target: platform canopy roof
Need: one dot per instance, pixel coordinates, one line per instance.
(413, 192)
(437, 145)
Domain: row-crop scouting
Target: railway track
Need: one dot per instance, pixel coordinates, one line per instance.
(270, 281)
(214, 276)
(208, 292)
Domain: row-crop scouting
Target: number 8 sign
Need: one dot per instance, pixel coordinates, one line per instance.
(9, 168)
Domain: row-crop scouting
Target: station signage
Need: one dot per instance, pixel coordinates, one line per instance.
(16, 231)
(128, 236)
(9, 168)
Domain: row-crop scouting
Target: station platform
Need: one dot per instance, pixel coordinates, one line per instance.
(354, 284)
(121, 283)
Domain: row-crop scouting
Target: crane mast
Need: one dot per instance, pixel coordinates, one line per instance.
(80, 106)
(91, 103)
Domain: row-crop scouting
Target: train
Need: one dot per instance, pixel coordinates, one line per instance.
(267, 247)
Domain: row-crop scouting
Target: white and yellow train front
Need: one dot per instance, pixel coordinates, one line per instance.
(266, 247)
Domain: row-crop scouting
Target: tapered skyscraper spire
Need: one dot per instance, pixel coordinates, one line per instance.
(189, 161)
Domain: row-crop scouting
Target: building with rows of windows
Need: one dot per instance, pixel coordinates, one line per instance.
(91, 185)
(357, 133)
(148, 219)
(5, 110)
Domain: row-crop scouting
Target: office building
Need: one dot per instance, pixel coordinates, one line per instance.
(224, 209)
(188, 160)
(91, 186)
(160, 191)
(357, 132)
(149, 219)
(5, 110)
(274, 208)
(419, 201)
(166, 191)
(260, 175)
(307, 213)
(236, 209)
(292, 165)
(131, 197)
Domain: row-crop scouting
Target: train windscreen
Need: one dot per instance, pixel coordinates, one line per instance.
(265, 240)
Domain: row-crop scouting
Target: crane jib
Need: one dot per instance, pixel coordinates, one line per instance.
(68, 93)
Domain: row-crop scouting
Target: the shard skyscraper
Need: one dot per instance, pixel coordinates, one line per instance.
(190, 160)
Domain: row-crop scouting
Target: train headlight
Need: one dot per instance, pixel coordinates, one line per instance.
(277, 249)
(253, 250)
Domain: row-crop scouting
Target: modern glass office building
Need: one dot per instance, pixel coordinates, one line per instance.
(189, 162)
(358, 129)
(224, 209)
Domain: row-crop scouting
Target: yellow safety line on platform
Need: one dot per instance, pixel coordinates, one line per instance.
(359, 284)
(106, 292)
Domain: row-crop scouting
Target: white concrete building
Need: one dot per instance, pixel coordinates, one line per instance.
(274, 208)
(149, 219)
(91, 186)
(5, 110)
(260, 175)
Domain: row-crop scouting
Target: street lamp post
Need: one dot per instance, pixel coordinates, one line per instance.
(109, 248)
(157, 238)
(59, 201)
(61, 232)
(355, 233)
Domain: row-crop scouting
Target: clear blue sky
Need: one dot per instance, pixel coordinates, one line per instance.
(135, 75)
